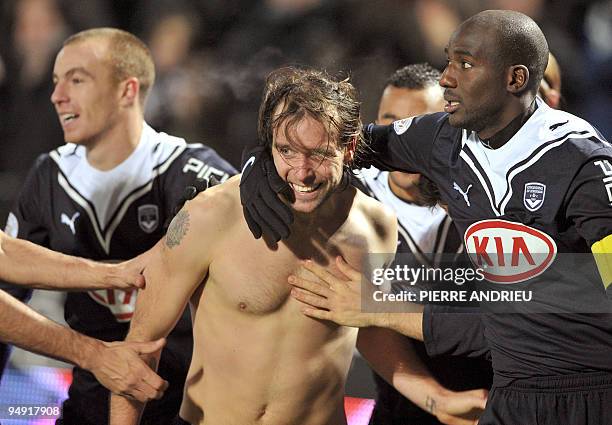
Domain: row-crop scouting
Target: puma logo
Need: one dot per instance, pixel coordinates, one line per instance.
(465, 194)
(70, 221)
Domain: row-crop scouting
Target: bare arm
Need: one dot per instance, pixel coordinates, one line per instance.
(30, 265)
(116, 365)
(179, 264)
(392, 356)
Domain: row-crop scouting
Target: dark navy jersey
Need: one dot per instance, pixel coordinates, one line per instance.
(536, 204)
(71, 207)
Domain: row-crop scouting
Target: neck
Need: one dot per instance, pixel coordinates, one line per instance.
(516, 118)
(408, 195)
(116, 145)
(330, 214)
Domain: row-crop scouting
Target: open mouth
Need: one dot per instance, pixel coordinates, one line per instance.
(68, 118)
(451, 106)
(304, 189)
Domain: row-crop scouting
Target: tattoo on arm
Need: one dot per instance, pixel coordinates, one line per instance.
(178, 228)
(430, 404)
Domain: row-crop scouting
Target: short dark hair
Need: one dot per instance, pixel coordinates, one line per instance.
(417, 76)
(303, 91)
(520, 41)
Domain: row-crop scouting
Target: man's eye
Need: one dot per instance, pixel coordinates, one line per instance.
(466, 65)
(284, 150)
(77, 80)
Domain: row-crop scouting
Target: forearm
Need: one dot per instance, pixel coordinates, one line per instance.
(393, 357)
(407, 324)
(33, 266)
(22, 326)
(124, 411)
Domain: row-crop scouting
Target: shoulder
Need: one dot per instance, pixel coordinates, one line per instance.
(67, 157)
(218, 208)
(426, 126)
(577, 135)
(207, 161)
(201, 228)
(379, 219)
(41, 170)
(201, 160)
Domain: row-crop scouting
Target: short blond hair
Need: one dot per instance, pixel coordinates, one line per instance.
(128, 55)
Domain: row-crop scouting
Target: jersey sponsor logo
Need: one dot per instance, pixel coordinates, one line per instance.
(203, 170)
(121, 303)
(509, 252)
(462, 192)
(148, 217)
(12, 225)
(401, 126)
(533, 196)
(70, 221)
(606, 167)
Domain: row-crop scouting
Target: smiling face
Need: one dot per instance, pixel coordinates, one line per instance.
(309, 160)
(85, 97)
(474, 84)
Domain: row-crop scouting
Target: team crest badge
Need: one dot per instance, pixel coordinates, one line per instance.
(148, 217)
(533, 198)
(401, 126)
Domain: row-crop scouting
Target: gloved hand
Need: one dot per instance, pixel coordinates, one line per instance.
(190, 192)
(260, 185)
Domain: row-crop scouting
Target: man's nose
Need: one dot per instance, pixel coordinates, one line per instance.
(59, 94)
(304, 170)
(448, 79)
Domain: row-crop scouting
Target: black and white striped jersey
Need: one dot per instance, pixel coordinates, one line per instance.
(525, 211)
(71, 207)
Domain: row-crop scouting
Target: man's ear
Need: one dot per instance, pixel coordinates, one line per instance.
(349, 153)
(131, 91)
(518, 77)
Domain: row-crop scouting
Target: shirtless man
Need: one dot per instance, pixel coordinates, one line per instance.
(256, 358)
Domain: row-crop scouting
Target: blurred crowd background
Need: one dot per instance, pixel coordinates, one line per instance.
(212, 57)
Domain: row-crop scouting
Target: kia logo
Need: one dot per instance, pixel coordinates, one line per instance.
(509, 252)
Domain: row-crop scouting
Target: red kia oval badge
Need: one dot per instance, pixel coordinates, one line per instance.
(509, 252)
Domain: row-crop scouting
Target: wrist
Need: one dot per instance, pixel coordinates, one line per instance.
(88, 351)
(440, 397)
(109, 273)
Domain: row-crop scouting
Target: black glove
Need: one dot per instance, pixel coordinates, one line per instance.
(260, 185)
(365, 157)
(190, 192)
